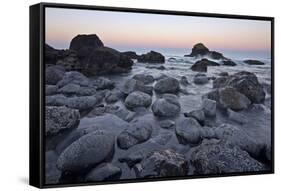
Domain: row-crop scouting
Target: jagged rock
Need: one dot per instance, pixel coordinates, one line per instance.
(60, 118)
(138, 132)
(167, 106)
(164, 163)
(53, 74)
(78, 157)
(104, 172)
(188, 131)
(151, 57)
(253, 62)
(167, 85)
(214, 157)
(137, 99)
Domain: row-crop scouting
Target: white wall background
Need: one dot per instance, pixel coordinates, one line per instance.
(14, 39)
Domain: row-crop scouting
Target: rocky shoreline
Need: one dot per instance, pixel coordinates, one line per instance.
(99, 129)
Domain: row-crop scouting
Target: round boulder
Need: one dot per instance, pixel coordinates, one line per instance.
(167, 85)
(53, 74)
(168, 106)
(138, 99)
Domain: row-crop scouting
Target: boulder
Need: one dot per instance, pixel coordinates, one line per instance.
(114, 96)
(132, 85)
(151, 57)
(104, 172)
(81, 103)
(253, 62)
(74, 77)
(220, 82)
(163, 163)
(138, 132)
(202, 65)
(167, 85)
(162, 138)
(60, 118)
(188, 131)
(69, 89)
(209, 107)
(125, 114)
(230, 98)
(85, 44)
(106, 60)
(138, 99)
(228, 62)
(103, 83)
(215, 55)
(78, 157)
(53, 74)
(236, 117)
(199, 115)
(131, 54)
(167, 106)
(214, 157)
(56, 100)
(146, 79)
(200, 79)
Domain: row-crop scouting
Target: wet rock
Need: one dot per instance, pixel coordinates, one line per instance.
(199, 49)
(73, 77)
(131, 54)
(125, 114)
(137, 133)
(253, 62)
(114, 96)
(236, 117)
(69, 89)
(78, 157)
(167, 106)
(209, 107)
(162, 138)
(200, 79)
(172, 59)
(137, 99)
(215, 55)
(164, 163)
(52, 173)
(102, 109)
(81, 103)
(56, 100)
(151, 57)
(146, 79)
(202, 65)
(132, 159)
(167, 85)
(184, 81)
(51, 90)
(188, 131)
(220, 82)
(230, 98)
(132, 85)
(60, 118)
(199, 115)
(214, 157)
(53, 74)
(228, 63)
(103, 83)
(104, 172)
(167, 124)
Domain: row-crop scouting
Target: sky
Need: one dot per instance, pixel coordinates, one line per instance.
(139, 31)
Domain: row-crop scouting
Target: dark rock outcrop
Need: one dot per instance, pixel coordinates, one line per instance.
(253, 62)
(202, 65)
(60, 118)
(167, 106)
(199, 49)
(151, 57)
(162, 164)
(228, 62)
(78, 157)
(131, 54)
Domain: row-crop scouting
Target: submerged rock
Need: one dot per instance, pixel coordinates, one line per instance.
(137, 99)
(167, 85)
(60, 118)
(253, 62)
(78, 157)
(151, 57)
(137, 133)
(214, 157)
(104, 172)
(168, 106)
(188, 131)
(164, 163)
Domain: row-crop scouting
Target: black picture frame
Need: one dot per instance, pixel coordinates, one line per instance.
(37, 92)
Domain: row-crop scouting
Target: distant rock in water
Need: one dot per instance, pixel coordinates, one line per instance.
(131, 54)
(228, 63)
(253, 62)
(85, 44)
(202, 65)
(151, 57)
(199, 49)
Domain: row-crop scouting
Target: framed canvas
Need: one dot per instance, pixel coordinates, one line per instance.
(121, 95)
